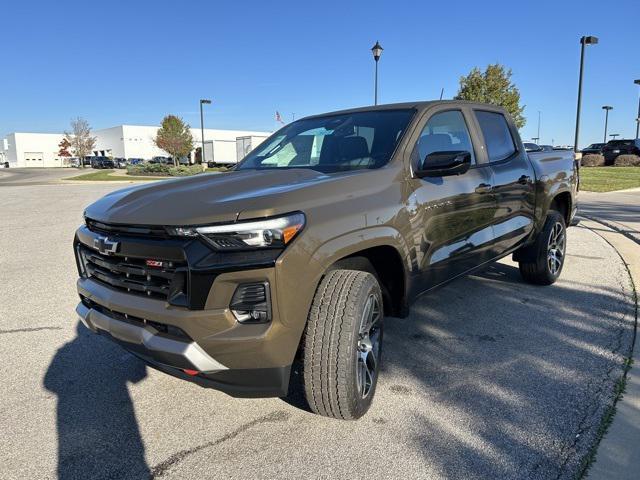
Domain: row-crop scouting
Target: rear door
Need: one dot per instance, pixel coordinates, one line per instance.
(513, 180)
(452, 226)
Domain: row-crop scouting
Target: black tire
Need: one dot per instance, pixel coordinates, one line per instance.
(337, 355)
(545, 267)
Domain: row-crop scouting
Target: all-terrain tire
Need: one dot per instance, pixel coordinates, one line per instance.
(334, 345)
(544, 267)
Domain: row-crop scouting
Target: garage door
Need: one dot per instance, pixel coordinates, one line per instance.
(33, 159)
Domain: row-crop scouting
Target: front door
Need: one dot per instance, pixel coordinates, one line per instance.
(453, 214)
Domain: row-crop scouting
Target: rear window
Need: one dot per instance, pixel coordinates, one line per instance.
(497, 135)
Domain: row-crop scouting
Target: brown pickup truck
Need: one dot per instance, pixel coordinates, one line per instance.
(333, 223)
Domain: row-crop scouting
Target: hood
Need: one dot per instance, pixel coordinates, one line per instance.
(206, 198)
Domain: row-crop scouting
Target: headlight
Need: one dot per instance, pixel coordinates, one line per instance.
(274, 232)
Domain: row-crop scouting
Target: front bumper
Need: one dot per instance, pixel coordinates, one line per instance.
(177, 356)
(147, 340)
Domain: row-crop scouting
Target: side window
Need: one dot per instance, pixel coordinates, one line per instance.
(444, 132)
(497, 135)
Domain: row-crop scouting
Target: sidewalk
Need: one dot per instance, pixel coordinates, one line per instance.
(618, 455)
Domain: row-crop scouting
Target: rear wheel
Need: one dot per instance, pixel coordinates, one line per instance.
(343, 344)
(548, 252)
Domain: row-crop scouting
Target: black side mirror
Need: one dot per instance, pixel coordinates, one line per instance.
(442, 164)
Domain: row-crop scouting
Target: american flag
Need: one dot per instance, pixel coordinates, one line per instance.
(279, 117)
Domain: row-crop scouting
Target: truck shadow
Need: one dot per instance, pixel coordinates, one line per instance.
(506, 380)
(97, 429)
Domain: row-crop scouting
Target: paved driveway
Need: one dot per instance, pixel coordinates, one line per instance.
(37, 176)
(619, 209)
(487, 378)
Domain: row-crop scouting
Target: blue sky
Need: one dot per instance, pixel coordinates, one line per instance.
(132, 62)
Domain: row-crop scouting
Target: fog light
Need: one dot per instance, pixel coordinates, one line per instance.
(251, 303)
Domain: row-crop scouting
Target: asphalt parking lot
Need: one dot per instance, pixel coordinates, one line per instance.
(487, 378)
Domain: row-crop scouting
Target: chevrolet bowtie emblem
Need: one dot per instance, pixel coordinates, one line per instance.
(105, 245)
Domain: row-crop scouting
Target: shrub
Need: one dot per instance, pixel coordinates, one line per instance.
(161, 170)
(592, 161)
(627, 161)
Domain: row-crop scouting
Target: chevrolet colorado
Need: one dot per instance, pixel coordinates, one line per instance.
(331, 224)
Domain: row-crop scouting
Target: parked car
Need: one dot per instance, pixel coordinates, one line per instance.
(120, 162)
(71, 162)
(532, 147)
(4, 164)
(136, 161)
(614, 148)
(547, 148)
(331, 224)
(102, 162)
(88, 160)
(162, 160)
(593, 149)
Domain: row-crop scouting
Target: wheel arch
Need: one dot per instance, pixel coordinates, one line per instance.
(378, 250)
(563, 203)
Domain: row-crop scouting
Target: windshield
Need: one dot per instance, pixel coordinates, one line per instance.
(333, 143)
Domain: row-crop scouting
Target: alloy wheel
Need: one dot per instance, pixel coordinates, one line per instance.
(555, 248)
(368, 351)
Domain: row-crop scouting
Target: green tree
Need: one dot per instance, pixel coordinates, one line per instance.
(174, 137)
(493, 86)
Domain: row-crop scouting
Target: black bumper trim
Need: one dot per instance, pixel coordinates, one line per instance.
(239, 383)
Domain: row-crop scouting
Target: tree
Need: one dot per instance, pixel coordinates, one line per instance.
(64, 148)
(174, 137)
(80, 139)
(493, 86)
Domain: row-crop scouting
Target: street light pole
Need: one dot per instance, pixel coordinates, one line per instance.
(584, 41)
(606, 108)
(539, 114)
(377, 52)
(208, 102)
(637, 82)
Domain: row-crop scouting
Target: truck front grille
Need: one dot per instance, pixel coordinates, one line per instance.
(164, 280)
(130, 230)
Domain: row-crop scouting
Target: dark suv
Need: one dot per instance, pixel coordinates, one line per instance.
(593, 149)
(614, 148)
(102, 162)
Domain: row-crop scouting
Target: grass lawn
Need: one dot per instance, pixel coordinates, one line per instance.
(106, 175)
(606, 179)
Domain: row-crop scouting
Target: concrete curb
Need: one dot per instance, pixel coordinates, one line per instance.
(617, 454)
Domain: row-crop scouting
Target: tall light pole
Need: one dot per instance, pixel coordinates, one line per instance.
(539, 115)
(584, 41)
(637, 82)
(606, 108)
(202, 102)
(377, 52)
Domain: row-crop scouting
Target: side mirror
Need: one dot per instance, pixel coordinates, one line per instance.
(442, 164)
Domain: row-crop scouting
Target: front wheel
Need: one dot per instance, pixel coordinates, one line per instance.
(549, 251)
(343, 344)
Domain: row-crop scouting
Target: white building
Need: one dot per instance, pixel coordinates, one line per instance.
(123, 141)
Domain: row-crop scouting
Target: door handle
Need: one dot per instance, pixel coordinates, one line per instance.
(483, 188)
(524, 179)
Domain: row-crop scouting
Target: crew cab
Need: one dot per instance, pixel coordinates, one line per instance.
(334, 223)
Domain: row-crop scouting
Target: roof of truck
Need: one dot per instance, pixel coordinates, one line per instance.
(418, 105)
